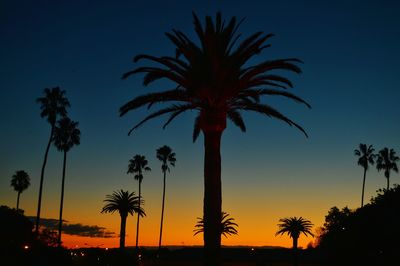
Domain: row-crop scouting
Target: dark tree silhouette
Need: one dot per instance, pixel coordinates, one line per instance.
(20, 181)
(227, 227)
(293, 227)
(387, 161)
(167, 157)
(125, 203)
(137, 166)
(366, 157)
(66, 135)
(215, 79)
(364, 236)
(53, 105)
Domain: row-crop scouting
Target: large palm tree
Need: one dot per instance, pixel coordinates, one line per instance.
(227, 227)
(167, 158)
(66, 135)
(20, 181)
(215, 79)
(366, 157)
(387, 161)
(293, 227)
(125, 203)
(137, 166)
(53, 105)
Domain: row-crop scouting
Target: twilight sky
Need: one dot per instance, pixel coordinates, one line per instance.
(351, 78)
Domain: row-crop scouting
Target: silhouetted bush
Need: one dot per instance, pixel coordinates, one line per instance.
(366, 236)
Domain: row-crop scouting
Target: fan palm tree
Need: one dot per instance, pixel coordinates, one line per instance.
(387, 161)
(20, 181)
(293, 227)
(167, 157)
(227, 227)
(125, 203)
(137, 166)
(53, 105)
(66, 135)
(366, 157)
(214, 78)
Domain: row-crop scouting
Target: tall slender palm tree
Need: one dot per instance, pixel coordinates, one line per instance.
(366, 157)
(20, 181)
(227, 227)
(387, 161)
(167, 157)
(293, 227)
(215, 79)
(137, 166)
(53, 105)
(125, 203)
(66, 135)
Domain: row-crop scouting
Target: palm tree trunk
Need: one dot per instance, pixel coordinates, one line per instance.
(388, 185)
(295, 263)
(19, 193)
(162, 215)
(122, 232)
(41, 180)
(212, 197)
(138, 217)
(62, 199)
(362, 193)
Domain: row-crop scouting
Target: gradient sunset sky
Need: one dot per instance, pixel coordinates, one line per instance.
(351, 78)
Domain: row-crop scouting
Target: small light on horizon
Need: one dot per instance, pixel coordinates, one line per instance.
(252, 249)
(26, 247)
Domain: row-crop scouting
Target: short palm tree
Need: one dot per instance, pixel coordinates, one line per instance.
(366, 157)
(293, 227)
(66, 135)
(137, 166)
(215, 79)
(125, 203)
(20, 181)
(387, 161)
(167, 158)
(227, 227)
(53, 105)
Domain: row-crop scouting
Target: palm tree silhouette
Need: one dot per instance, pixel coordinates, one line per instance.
(387, 161)
(20, 181)
(137, 166)
(216, 80)
(66, 135)
(366, 157)
(53, 105)
(293, 227)
(125, 203)
(227, 227)
(167, 157)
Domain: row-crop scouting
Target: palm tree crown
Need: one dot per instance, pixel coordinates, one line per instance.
(20, 181)
(228, 226)
(294, 226)
(366, 155)
(137, 165)
(66, 134)
(166, 156)
(387, 161)
(123, 202)
(214, 78)
(53, 104)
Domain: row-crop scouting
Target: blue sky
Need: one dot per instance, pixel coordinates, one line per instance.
(351, 78)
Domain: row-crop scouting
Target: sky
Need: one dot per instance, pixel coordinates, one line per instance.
(350, 77)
